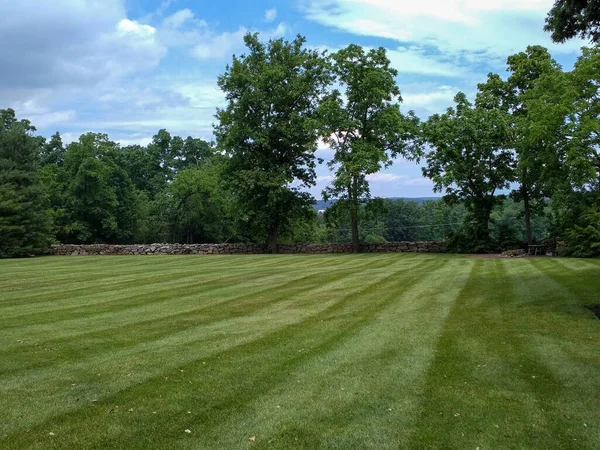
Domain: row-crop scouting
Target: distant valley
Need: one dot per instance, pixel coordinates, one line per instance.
(322, 204)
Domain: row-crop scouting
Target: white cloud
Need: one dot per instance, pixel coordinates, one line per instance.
(131, 27)
(401, 180)
(418, 181)
(41, 116)
(270, 15)
(324, 151)
(453, 27)
(74, 43)
(132, 139)
(170, 102)
(200, 94)
(69, 137)
(211, 45)
(176, 120)
(325, 178)
(383, 177)
(219, 46)
(178, 18)
(120, 138)
(280, 31)
(164, 6)
(428, 96)
(387, 183)
(53, 118)
(413, 60)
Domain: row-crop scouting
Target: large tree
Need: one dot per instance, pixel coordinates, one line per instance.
(470, 161)
(574, 18)
(100, 199)
(584, 121)
(363, 125)
(580, 196)
(511, 95)
(25, 220)
(201, 208)
(565, 109)
(268, 130)
(53, 152)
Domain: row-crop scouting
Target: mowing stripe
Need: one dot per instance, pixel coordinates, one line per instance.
(301, 351)
(281, 334)
(180, 343)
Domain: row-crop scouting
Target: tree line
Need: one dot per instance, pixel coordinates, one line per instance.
(527, 143)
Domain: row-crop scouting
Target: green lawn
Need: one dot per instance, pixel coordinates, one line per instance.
(406, 351)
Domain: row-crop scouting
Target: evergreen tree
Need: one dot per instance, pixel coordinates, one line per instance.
(25, 220)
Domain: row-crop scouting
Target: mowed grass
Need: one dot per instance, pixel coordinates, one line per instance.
(388, 351)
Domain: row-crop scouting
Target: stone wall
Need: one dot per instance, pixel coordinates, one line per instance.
(237, 249)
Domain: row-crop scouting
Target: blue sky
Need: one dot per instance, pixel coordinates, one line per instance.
(131, 67)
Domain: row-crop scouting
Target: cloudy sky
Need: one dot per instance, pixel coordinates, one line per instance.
(131, 67)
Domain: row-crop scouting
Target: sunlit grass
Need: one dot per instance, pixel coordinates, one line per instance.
(345, 351)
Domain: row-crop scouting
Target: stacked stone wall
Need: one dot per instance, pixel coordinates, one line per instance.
(238, 249)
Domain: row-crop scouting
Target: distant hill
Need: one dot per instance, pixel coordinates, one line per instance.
(419, 200)
(322, 204)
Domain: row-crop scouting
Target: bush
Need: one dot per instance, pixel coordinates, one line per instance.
(583, 240)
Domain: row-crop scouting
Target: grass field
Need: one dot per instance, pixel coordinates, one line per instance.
(404, 351)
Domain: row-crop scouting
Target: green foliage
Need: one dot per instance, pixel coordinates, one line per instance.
(393, 220)
(191, 153)
(25, 219)
(100, 202)
(53, 151)
(374, 238)
(564, 110)
(363, 125)
(306, 229)
(508, 227)
(583, 123)
(431, 220)
(470, 161)
(201, 208)
(583, 240)
(539, 127)
(401, 220)
(144, 167)
(534, 152)
(574, 18)
(370, 214)
(574, 220)
(269, 131)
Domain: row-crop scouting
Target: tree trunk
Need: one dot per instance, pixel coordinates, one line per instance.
(482, 213)
(354, 228)
(527, 207)
(598, 170)
(272, 240)
(354, 214)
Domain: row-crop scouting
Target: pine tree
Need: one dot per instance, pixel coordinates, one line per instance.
(25, 219)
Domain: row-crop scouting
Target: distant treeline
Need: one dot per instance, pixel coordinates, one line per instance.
(433, 220)
(538, 131)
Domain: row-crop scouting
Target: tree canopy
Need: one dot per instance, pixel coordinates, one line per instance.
(470, 160)
(574, 18)
(526, 147)
(363, 125)
(525, 68)
(269, 130)
(25, 218)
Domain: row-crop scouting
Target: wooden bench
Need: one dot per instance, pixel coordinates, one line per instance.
(535, 248)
